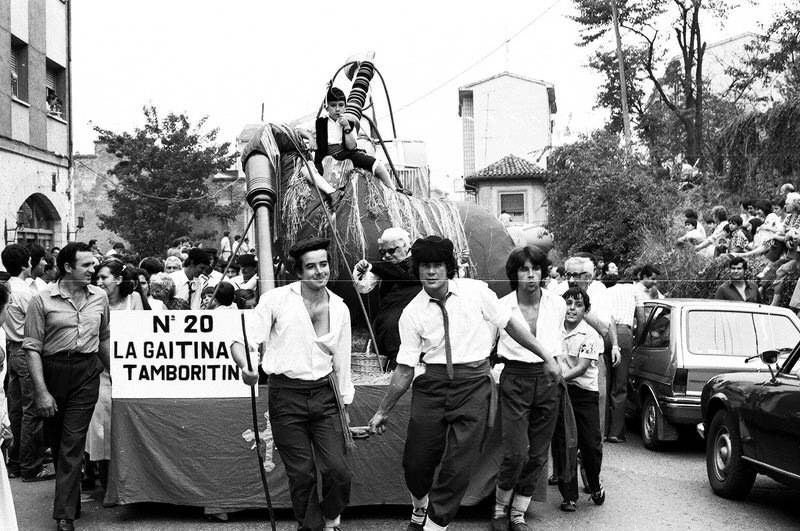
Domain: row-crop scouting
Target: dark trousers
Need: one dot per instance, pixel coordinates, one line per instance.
(618, 383)
(528, 409)
(74, 382)
(446, 430)
(590, 443)
(308, 436)
(27, 449)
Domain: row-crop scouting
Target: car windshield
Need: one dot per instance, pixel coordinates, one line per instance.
(741, 334)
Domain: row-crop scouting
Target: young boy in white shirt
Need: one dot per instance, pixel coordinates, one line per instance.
(582, 347)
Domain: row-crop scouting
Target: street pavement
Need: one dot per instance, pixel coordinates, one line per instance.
(645, 490)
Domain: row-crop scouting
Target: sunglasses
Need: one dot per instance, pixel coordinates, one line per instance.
(382, 252)
(577, 275)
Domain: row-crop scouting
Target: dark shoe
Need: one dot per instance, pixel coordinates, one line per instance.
(569, 506)
(404, 191)
(65, 525)
(519, 526)
(552, 480)
(615, 440)
(45, 473)
(13, 473)
(499, 524)
(599, 497)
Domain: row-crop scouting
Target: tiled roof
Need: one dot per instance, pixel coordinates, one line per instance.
(509, 167)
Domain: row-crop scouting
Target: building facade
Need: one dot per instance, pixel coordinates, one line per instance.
(514, 186)
(36, 189)
(505, 114)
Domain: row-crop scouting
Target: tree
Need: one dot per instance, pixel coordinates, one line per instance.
(642, 18)
(609, 94)
(162, 180)
(601, 201)
(773, 59)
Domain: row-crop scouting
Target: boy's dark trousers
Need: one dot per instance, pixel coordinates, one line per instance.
(308, 435)
(529, 402)
(446, 429)
(73, 380)
(27, 451)
(590, 442)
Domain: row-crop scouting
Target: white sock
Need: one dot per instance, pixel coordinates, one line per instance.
(420, 509)
(501, 500)
(419, 503)
(519, 507)
(330, 524)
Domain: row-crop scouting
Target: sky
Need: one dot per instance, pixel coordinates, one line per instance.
(225, 59)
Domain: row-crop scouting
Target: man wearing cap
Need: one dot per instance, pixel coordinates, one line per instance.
(247, 279)
(306, 332)
(450, 326)
(396, 284)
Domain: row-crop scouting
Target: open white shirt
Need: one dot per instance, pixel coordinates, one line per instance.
(474, 314)
(549, 327)
(292, 347)
(599, 303)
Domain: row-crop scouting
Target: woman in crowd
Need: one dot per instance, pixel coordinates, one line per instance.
(121, 284)
(162, 288)
(172, 264)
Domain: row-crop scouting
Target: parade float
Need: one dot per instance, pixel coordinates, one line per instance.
(180, 448)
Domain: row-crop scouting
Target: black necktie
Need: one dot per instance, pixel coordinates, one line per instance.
(448, 349)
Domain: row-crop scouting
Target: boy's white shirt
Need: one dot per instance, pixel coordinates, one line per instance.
(583, 341)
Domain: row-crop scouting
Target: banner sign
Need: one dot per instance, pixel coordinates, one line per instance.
(176, 354)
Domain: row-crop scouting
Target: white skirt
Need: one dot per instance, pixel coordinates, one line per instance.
(98, 438)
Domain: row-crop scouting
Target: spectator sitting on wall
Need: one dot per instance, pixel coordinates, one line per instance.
(693, 236)
(117, 249)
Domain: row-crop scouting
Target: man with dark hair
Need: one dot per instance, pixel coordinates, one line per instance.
(26, 455)
(450, 326)
(737, 288)
(38, 264)
(192, 277)
(67, 343)
(306, 330)
(152, 265)
(528, 399)
(647, 286)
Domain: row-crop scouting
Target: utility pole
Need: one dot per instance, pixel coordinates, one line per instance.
(623, 87)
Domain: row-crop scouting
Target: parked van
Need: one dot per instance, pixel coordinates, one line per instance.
(685, 343)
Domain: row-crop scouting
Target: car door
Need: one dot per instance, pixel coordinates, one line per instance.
(652, 359)
(771, 415)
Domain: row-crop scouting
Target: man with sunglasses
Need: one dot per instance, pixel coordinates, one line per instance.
(397, 285)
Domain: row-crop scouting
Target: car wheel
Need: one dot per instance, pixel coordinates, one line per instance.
(728, 474)
(650, 418)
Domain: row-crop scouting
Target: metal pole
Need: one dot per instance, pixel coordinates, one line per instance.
(261, 197)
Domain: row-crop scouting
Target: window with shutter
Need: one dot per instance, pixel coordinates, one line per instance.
(51, 80)
(14, 76)
(514, 205)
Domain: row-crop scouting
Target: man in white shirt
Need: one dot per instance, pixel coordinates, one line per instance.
(26, 454)
(225, 246)
(529, 399)
(192, 277)
(247, 279)
(306, 332)
(626, 305)
(450, 326)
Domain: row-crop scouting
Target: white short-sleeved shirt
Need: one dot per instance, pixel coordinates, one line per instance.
(474, 314)
(599, 302)
(549, 328)
(583, 341)
(622, 301)
(282, 323)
